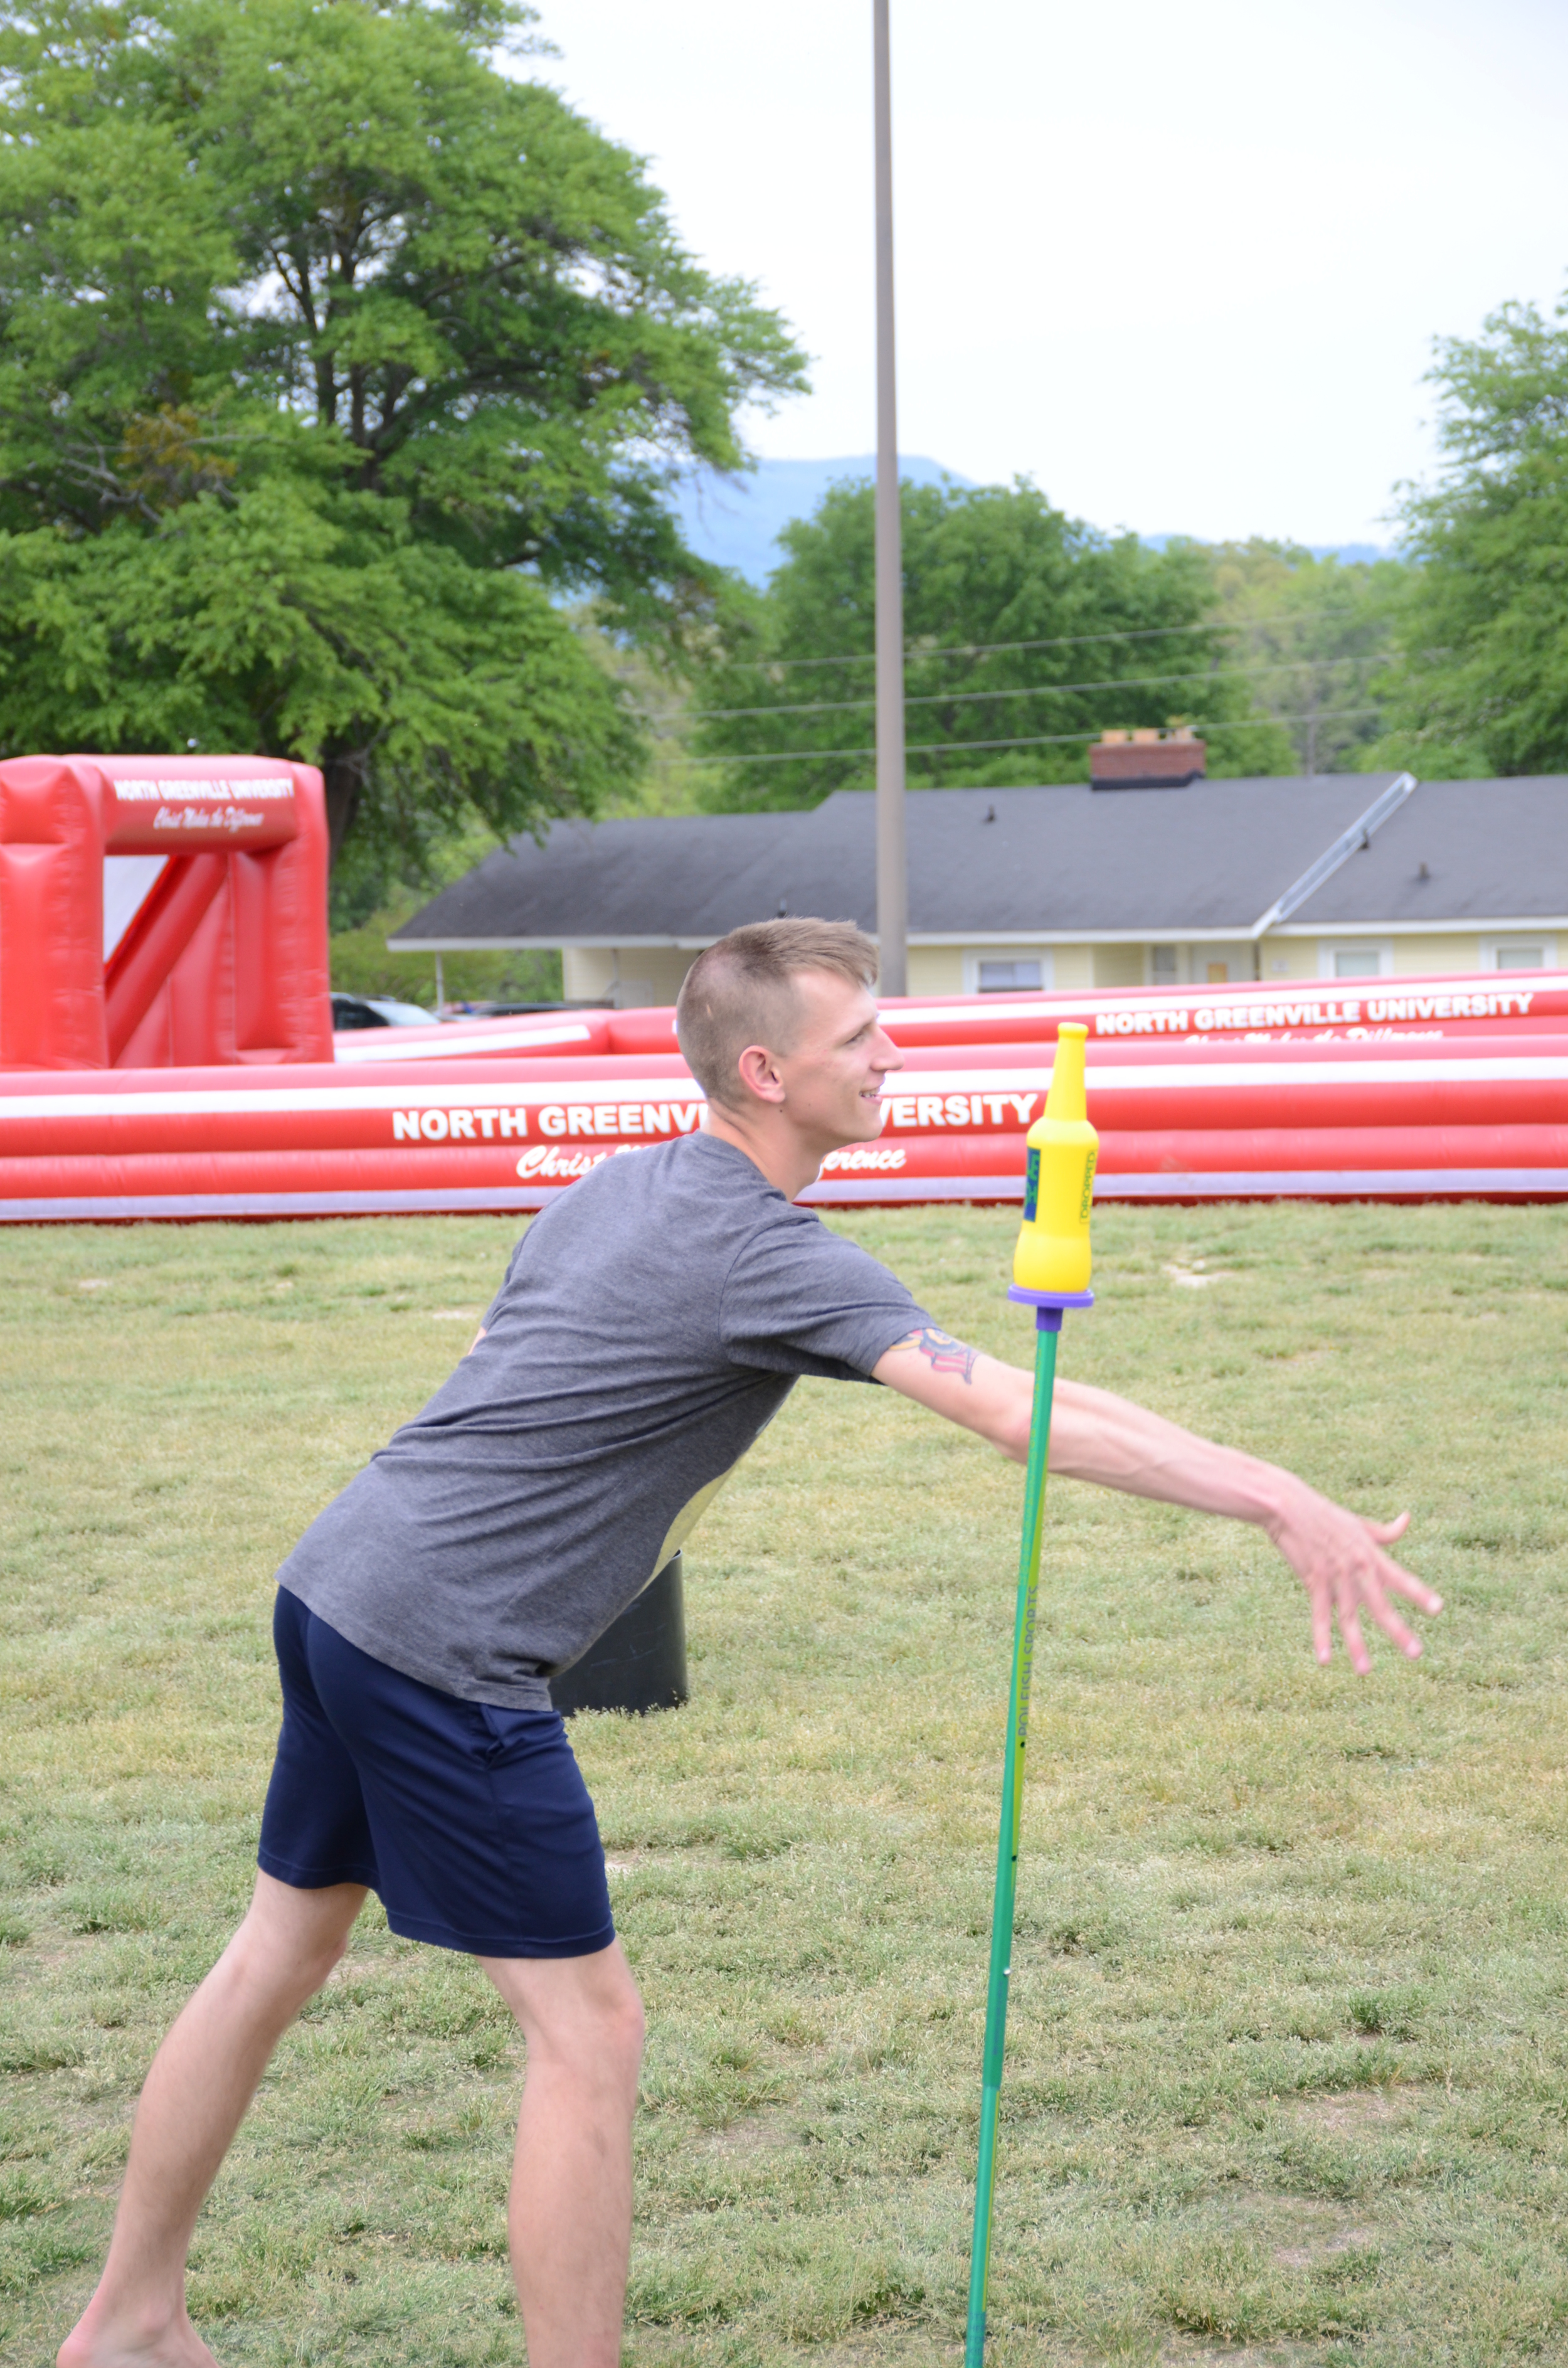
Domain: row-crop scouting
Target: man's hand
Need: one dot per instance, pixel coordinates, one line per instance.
(1337, 1557)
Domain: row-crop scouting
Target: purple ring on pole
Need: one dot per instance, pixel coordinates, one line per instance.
(1049, 1306)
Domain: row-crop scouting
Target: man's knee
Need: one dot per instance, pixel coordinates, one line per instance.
(581, 2014)
(611, 2035)
(628, 2029)
(605, 2054)
(317, 1963)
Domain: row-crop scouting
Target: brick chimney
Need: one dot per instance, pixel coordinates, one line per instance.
(1146, 760)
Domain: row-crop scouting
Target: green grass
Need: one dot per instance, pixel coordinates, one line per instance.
(1286, 2073)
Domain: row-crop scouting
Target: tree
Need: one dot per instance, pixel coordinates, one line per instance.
(1482, 685)
(1317, 636)
(334, 361)
(1093, 632)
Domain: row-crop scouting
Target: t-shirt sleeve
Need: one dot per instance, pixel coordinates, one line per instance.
(491, 1313)
(800, 1300)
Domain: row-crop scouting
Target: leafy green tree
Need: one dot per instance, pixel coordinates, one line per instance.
(1316, 637)
(335, 362)
(1483, 683)
(1094, 631)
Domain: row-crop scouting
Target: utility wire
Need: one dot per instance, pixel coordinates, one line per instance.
(1033, 740)
(913, 653)
(1037, 690)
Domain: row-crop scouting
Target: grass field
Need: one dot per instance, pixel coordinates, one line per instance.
(1287, 2069)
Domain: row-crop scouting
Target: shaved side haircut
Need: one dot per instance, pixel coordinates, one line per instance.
(741, 990)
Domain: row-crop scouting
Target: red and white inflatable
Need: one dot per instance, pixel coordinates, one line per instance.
(165, 1052)
(1373, 1012)
(162, 912)
(1178, 1122)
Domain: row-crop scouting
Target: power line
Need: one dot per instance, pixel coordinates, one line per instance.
(1033, 740)
(1038, 691)
(913, 653)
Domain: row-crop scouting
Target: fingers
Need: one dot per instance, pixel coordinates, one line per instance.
(1367, 1590)
(1412, 1589)
(1393, 1625)
(1339, 1558)
(1350, 1630)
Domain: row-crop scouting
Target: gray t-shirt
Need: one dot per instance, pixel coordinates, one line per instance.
(653, 1320)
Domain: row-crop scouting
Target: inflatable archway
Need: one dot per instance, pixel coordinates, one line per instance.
(162, 912)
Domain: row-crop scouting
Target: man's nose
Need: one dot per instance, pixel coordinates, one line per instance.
(887, 1055)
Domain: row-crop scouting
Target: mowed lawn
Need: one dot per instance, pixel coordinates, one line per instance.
(1288, 2071)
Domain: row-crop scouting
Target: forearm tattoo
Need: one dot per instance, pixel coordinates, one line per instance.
(942, 1352)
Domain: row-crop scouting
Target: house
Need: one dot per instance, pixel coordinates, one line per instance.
(1127, 884)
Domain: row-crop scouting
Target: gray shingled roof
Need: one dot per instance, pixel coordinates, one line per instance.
(1164, 863)
(1493, 852)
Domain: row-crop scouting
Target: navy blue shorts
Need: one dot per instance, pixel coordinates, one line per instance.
(473, 1822)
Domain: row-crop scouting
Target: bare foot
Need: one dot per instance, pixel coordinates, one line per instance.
(99, 2339)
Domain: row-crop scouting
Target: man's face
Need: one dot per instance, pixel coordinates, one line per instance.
(833, 1074)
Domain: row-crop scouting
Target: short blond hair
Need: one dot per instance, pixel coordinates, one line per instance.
(741, 991)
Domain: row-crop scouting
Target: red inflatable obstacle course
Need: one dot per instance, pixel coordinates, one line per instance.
(1374, 1011)
(166, 1052)
(162, 912)
(1483, 1118)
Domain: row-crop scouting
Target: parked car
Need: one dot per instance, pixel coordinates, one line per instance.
(377, 1011)
(524, 1011)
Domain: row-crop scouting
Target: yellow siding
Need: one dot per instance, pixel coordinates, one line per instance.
(1289, 958)
(935, 970)
(654, 974)
(1118, 966)
(1073, 967)
(647, 973)
(666, 971)
(585, 972)
(1415, 957)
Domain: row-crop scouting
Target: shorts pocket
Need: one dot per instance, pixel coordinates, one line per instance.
(517, 1732)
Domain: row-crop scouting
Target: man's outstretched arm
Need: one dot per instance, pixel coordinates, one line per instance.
(1338, 1556)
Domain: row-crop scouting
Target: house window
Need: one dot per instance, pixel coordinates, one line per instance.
(1356, 958)
(1518, 953)
(1009, 977)
(1218, 974)
(1164, 966)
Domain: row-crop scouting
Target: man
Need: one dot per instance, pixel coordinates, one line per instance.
(653, 1320)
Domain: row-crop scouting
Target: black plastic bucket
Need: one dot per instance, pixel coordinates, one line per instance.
(639, 1661)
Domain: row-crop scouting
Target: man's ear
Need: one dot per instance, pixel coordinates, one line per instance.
(759, 1075)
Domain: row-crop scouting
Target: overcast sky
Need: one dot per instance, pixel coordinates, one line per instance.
(1181, 266)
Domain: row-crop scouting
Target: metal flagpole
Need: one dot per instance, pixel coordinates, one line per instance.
(892, 860)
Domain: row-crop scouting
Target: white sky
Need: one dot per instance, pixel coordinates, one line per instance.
(1183, 266)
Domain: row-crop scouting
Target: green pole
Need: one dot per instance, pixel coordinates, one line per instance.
(1049, 1320)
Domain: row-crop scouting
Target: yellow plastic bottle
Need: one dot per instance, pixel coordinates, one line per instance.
(1053, 1241)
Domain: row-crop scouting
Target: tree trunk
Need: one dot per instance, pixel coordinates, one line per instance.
(345, 779)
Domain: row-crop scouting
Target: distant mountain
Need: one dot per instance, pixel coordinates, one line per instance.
(1352, 554)
(735, 521)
